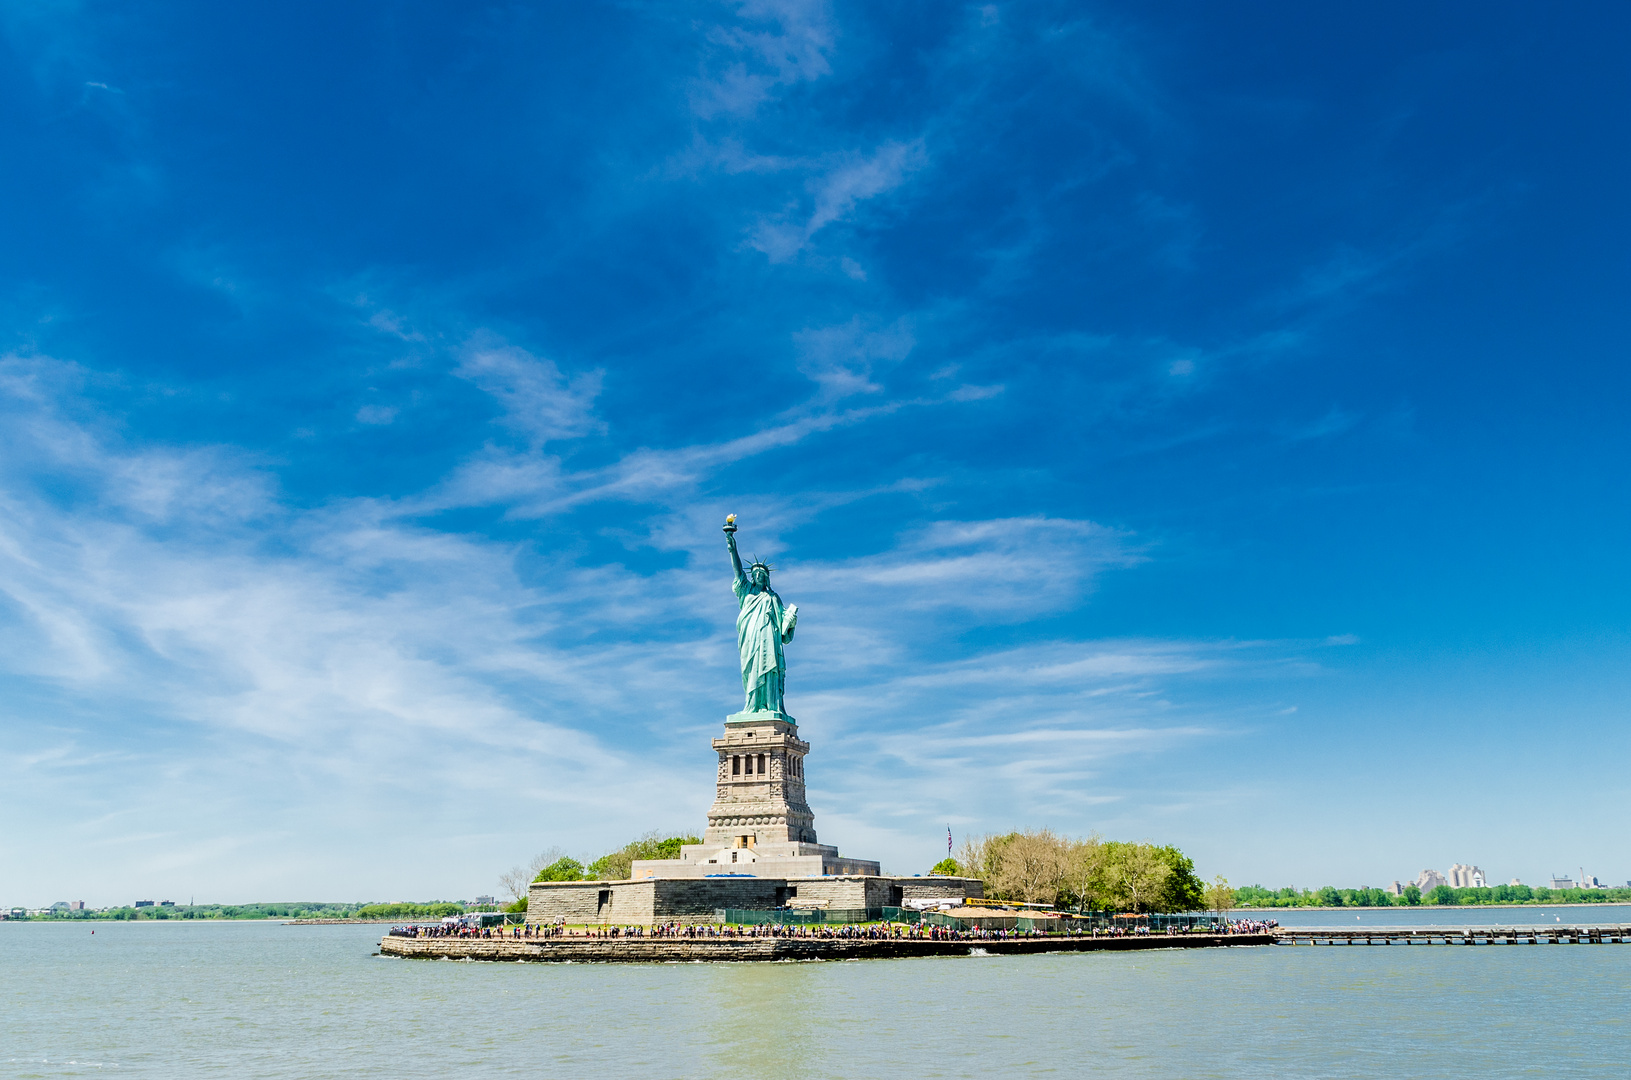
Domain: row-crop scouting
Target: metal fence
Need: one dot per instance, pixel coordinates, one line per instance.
(799, 916)
(1081, 922)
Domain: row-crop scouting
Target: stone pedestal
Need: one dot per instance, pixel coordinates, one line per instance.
(759, 798)
(760, 823)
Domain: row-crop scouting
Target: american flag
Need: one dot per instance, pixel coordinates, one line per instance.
(948, 841)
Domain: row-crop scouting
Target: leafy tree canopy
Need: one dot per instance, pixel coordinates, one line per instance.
(565, 868)
(1090, 873)
(616, 865)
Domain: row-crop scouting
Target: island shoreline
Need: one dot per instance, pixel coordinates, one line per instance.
(741, 949)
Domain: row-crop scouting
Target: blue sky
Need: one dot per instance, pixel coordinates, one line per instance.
(1184, 422)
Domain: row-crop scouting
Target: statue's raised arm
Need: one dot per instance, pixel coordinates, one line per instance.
(730, 544)
(763, 625)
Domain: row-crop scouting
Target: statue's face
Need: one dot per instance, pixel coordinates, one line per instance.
(761, 578)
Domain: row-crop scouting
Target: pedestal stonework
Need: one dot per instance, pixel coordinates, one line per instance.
(760, 794)
(760, 823)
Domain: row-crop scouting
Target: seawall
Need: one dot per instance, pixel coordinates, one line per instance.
(686, 950)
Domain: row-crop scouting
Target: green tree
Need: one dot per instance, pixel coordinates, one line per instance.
(1441, 894)
(1328, 897)
(655, 846)
(1086, 884)
(618, 865)
(613, 866)
(946, 867)
(1219, 896)
(1136, 875)
(1182, 890)
(1412, 895)
(409, 911)
(1032, 867)
(565, 868)
(981, 856)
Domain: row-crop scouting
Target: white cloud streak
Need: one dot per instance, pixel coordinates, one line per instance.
(309, 693)
(771, 44)
(836, 193)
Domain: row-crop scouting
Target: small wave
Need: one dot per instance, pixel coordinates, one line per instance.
(978, 952)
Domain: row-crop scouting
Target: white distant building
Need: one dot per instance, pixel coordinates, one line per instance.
(1428, 880)
(1562, 883)
(1467, 877)
(1397, 889)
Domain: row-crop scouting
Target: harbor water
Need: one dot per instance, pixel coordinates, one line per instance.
(1431, 916)
(251, 1000)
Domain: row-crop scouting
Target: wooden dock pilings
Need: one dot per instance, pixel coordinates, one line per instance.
(1455, 935)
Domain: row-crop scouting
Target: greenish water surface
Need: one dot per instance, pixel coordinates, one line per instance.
(249, 1000)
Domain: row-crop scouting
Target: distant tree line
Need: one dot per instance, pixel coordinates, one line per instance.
(159, 913)
(1093, 874)
(1256, 896)
(435, 910)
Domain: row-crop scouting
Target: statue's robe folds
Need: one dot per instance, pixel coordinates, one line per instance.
(763, 623)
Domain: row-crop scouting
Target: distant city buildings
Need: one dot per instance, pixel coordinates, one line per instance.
(1396, 889)
(1466, 877)
(1428, 880)
(76, 905)
(143, 903)
(1562, 882)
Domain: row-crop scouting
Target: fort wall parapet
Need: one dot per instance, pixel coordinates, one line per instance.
(653, 901)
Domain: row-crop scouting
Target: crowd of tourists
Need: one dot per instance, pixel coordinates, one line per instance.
(457, 928)
(460, 928)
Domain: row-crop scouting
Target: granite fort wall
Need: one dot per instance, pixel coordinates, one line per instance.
(657, 900)
(932, 888)
(690, 898)
(650, 901)
(576, 901)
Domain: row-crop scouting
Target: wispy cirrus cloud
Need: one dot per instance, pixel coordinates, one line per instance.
(538, 401)
(835, 194)
(841, 359)
(769, 44)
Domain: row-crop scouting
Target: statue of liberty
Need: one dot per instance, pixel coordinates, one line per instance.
(763, 625)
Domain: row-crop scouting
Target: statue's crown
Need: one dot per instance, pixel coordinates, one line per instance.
(760, 564)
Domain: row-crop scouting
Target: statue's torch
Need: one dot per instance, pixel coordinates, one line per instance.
(730, 523)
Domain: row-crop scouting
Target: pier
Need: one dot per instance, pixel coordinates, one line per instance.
(1456, 935)
(689, 950)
